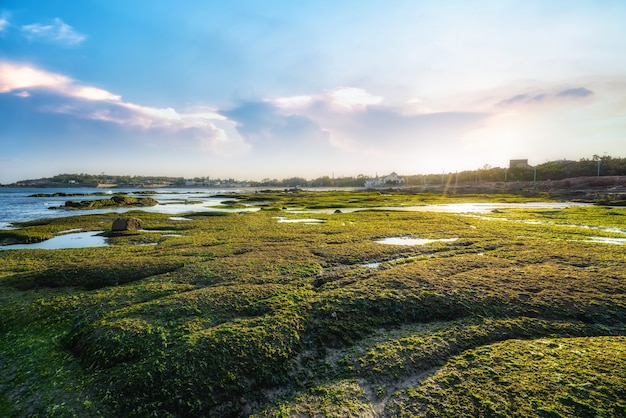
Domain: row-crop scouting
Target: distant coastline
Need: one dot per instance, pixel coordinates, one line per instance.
(519, 172)
(606, 190)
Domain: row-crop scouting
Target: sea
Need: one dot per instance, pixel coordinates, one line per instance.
(20, 204)
(32, 204)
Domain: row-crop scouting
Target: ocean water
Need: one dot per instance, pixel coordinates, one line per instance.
(18, 205)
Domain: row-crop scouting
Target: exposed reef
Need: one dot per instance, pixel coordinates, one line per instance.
(114, 201)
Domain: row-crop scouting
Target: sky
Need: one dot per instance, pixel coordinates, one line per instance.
(252, 89)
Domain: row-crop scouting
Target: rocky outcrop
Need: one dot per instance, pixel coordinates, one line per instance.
(115, 201)
(127, 224)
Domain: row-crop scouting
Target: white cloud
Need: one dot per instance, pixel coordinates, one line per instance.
(293, 101)
(203, 113)
(417, 106)
(348, 119)
(342, 98)
(358, 122)
(93, 93)
(57, 32)
(353, 98)
(17, 76)
(542, 97)
(4, 22)
(21, 76)
(93, 103)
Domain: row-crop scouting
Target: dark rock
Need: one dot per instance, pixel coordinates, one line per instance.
(115, 201)
(72, 204)
(127, 224)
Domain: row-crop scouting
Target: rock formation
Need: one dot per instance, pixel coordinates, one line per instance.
(127, 224)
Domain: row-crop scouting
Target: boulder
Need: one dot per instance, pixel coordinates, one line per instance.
(127, 224)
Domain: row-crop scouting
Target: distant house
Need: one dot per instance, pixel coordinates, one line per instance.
(385, 181)
(518, 164)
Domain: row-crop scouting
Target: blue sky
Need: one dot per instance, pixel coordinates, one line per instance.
(275, 89)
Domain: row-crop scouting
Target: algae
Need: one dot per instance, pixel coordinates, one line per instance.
(247, 316)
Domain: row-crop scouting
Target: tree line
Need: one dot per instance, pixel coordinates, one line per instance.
(552, 170)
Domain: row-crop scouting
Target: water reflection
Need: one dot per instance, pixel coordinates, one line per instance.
(607, 240)
(477, 208)
(486, 207)
(412, 241)
(67, 240)
(303, 221)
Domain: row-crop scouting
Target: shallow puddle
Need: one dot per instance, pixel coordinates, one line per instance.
(411, 241)
(536, 222)
(301, 221)
(377, 264)
(486, 207)
(69, 231)
(71, 239)
(67, 240)
(606, 240)
(476, 208)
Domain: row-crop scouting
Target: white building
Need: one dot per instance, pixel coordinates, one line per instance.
(385, 181)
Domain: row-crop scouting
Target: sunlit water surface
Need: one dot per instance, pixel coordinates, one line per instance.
(69, 240)
(17, 205)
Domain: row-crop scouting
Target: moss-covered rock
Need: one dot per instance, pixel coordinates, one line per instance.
(115, 201)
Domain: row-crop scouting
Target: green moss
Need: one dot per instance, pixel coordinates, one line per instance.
(39, 378)
(340, 399)
(119, 200)
(543, 377)
(246, 315)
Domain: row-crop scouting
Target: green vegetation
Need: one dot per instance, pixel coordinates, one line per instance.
(552, 170)
(238, 314)
(554, 377)
(118, 200)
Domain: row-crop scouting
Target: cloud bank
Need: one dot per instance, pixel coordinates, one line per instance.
(347, 119)
(69, 97)
(573, 93)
